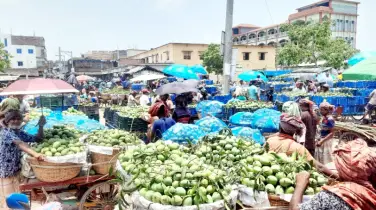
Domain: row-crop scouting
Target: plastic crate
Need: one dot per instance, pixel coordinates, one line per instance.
(130, 124)
(94, 117)
(351, 101)
(209, 82)
(89, 110)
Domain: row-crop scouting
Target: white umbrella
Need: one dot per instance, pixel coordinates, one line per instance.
(178, 87)
(148, 77)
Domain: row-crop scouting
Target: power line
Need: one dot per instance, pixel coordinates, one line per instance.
(270, 14)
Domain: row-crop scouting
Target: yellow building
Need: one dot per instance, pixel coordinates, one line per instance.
(247, 57)
(178, 53)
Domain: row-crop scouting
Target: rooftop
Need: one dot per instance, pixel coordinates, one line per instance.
(325, 1)
(246, 26)
(28, 40)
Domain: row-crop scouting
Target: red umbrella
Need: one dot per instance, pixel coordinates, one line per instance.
(38, 86)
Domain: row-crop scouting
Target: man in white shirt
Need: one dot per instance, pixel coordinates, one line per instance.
(24, 107)
(131, 99)
(144, 99)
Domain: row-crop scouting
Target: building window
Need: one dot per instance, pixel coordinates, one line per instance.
(167, 55)
(347, 27)
(187, 55)
(201, 55)
(20, 63)
(5, 42)
(31, 51)
(353, 26)
(19, 51)
(246, 56)
(156, 58)
(262, 56)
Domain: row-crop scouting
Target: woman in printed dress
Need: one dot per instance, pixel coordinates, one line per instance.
(13, 142)
(324, 144)
(356, 166)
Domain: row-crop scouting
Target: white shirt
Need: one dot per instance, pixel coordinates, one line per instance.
(131, 101)
(24, 106)
(144, 100)
(197, 97)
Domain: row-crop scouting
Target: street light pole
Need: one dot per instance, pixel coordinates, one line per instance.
(228, 46)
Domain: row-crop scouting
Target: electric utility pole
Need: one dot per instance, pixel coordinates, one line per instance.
(228, 46)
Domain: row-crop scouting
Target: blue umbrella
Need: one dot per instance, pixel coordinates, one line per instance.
(359, 57)
(252, 75)
(199, 69)
(180, 71)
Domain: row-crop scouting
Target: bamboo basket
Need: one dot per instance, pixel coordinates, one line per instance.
(276, 201)
(54, 172)
(102, 163)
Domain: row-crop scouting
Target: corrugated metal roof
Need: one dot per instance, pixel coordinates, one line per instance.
(28, 40)
(8, 78)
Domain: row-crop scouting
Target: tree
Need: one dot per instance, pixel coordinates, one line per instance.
(4, 58)
(310, 43)
(213, 60)
(337, 52)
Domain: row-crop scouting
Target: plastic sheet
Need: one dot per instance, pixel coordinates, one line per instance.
(78, 158)
(242, 118)
(212, 108)
(184, 133)
(266, 120)
(211, 124)
(246, 132)
(82, 123)
(140, 203)
(250, 197)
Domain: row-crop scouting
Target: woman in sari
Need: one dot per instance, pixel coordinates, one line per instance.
(356, 166)
(323, 152)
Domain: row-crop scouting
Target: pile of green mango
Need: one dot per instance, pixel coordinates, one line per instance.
(112, 138)
(60, 141)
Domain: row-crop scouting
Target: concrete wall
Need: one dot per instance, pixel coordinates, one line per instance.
(254, 62)
(195, 49)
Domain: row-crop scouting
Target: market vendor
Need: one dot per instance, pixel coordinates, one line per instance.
(299, 88)
(356, 166)
(253, 91)
(132, 101)
(160, 124)
(284, 142)
(24, 106)
(310, 121)
(13, 142)
(324, 145)
(144, 99)
(181, 113)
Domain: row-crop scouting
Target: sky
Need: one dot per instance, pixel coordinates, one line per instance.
(83, 25)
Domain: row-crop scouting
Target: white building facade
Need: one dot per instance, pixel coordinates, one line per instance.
(342, 13)
(27, 52)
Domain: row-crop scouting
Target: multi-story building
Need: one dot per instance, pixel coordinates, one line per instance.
(27, 52)
(112, 55)
(342, 13)
(247, 57)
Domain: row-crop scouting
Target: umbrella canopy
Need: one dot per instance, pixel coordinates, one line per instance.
(178, 87)
(84, 78)
(360, 57)
(252, 75)
(147, 77)
(199, 69)
(180, 71)
(365, 70)
(72, 79)
(38, 86)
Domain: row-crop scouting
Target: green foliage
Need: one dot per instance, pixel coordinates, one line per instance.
(311, 42)
(4, 59)
(212, 59)
(337, 51)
